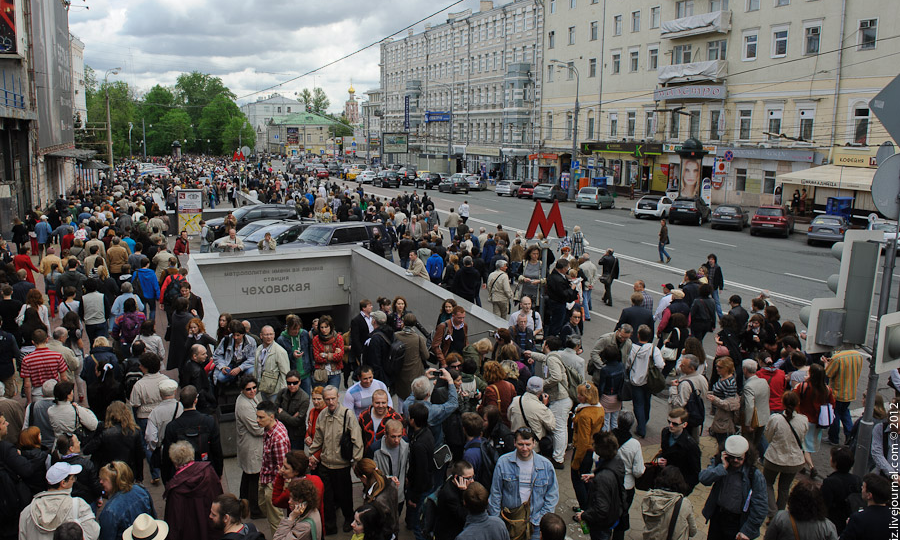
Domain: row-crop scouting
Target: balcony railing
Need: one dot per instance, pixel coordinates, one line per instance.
(695, 25)
(712, 70)
(12, 94)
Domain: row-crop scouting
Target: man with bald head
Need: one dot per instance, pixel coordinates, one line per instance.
(271, 365)
(193, 373)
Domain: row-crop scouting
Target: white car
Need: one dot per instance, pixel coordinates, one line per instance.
(365, 177)
(888, 227)
(508, 187)
(656, 206)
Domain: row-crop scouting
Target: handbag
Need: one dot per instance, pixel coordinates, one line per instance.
(670, 354)
(651, 470)
(346, 441)
(268, 381)
(826, 415)
(320, 376)
(518, 521)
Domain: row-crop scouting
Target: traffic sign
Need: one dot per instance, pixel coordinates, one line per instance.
(576, 164)
(885, 151)
(886, 106)
(886, 187)
(729, 155)
(276, 136)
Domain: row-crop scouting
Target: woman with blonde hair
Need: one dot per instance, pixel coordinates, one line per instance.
(589, 418)
(380, 493)
(120, 440)
(125, 500)
(499, 391)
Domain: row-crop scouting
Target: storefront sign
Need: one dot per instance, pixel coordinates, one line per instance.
(699, 91)
(670, 148)
(851, 157)
(551, 157)
(190, 208)
(546, 222)
(636, 149)
(482, 151)
(775, 154)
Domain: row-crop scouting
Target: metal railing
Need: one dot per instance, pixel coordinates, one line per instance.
(11, 98)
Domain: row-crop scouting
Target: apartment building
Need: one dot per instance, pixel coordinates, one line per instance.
(265, 111)
(477, 72)
(769, 87)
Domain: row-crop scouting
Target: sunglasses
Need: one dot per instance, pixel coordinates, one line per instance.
(293, 383)
(250, 389)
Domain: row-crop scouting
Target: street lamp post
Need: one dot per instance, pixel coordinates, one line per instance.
(144, 134)
(449, 129)
(109, 149)
(130, 127)
(574, 126)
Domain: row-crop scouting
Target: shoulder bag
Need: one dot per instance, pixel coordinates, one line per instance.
(674, 519)
(670, 354)
(794, 431)
(346, 443)
(268, 379)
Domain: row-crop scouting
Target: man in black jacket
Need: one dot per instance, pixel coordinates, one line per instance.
(636, 315)
(691, 287)
(377, 349)
(195, 427)
(559, 292)
(450, 518)
(71, 278)
(467, 281)
(194, 374)
(738, 311)
(609, 266)
(679, 449)
(360, 327)
(421, 467)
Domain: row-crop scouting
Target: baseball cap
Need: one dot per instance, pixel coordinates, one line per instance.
(60, 471)
(669, 286)
(535, 384)
(736, 445)
(47, 387)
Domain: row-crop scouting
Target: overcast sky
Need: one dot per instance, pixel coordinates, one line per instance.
(250, 44)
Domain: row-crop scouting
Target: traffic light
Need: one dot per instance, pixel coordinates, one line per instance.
(831, 322)
(887, 355)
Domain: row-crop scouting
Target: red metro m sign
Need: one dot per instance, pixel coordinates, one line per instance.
(546, 223)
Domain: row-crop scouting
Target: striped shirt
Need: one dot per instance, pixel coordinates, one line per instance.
(42, 365)
(843, 373)
(276, 445)
(725, 388)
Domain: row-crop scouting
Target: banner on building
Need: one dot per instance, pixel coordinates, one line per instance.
(190, 208)
(396, 143)
(8, 27)
(52, 73)
(293, 135)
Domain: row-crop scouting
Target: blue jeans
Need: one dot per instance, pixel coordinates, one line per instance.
(221, 378)
(334, 380)
(581, 491)
(452, 233)
(640, 400)
(715, 297)
(663, 254)
(588, 304)
(611, 421)
(96, 330)
(841, 415)
(412, 519)
(404, 263)
(204, 248)
(306, 386)
(142, 423)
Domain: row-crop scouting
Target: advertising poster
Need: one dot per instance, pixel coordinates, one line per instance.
(190, 209)
(396, 143)
(706, 191)
(691, 183)
(7, 27)
(660, 180)
(293, 135)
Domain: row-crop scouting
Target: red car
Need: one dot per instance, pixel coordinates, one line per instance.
(772, 218)
(322, 173)
(526, 191)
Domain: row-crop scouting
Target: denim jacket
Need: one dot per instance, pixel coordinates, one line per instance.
(224, 355)
(505, 488)
(753, 487)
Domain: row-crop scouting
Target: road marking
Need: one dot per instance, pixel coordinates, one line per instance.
(602, 316)
(489, 210)
(610, 223)
(805, 277)
(655, 245)
(717, 243)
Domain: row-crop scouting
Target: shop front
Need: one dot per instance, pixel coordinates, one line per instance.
(544, 167)
(484, 161)
(626, 165)
(748, 176)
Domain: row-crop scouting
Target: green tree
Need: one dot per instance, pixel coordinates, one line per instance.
(175, 125)
(234, 136)
(156, 103)
(121, 110)
(316, 100)
(196, 90)
(215, 117)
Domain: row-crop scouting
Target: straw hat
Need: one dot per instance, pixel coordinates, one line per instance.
(146, 528)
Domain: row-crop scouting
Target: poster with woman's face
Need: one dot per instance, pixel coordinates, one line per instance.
(690, 177)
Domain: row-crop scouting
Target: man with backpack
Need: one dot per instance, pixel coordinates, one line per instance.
(435, 268)
(678, 449)
(196, 428)
(478, 451)
(207, 236)
(450, 517)
(377, 348)
(644, 355)
(688, 391)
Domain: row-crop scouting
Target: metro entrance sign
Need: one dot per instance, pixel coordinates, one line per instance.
(546, 222)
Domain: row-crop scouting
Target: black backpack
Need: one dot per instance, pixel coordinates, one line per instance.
(394, 362)
(198, 436)
(132, 375)
(694, 407)
(14, 496)
(173, 290)
(489, 457)
(210, 235)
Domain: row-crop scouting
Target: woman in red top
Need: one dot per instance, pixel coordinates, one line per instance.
(318, 405)
(499, 392)
(295, 466)
(22, 261)
(813, 394)
(328, 350)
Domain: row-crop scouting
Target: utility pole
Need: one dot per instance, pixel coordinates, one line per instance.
(574, 127)
(144, 132)
(130, 127)
(109, 148)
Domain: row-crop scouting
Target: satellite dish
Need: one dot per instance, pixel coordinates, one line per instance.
(885, 151)
(886, 187)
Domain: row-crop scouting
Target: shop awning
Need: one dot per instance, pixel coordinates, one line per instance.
(77, 153)
(831, 176)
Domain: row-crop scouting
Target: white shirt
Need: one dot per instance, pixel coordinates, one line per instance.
(639, 362)
(463, 210)
(368, 319)
(526, 473)
(663, 304)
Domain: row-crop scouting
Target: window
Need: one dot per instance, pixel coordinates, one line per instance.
(714, 118)
(745, 117)
(684, 8)
(288, 109)
(595, 31)
(715, 50)
(572, 4)
(868, 34)
(861, 125)
(718, 5)
(633, 60)
(650, 125)
(617, 25)
(551, 40)
(571, 35)
(653, 58)
(549, 126)
(616, 62)
(807, 117)
(570, 70)
(590, 127)
(635, 21)
(740, 179)
(752, 5)
(769, 182)
(750, 42)
(630, 124)
(279, 109)
(774, 123)
(550, 70)
(592, 67)
(613, 124)
(552, 6)
(694, 125)
(654, 17)
(811, 39)
(681, 54)
(568, 126)
(782, 3)
(675, 127)
(779, 43)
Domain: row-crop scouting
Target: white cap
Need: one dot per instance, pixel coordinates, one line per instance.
(60, 471)
(736, 445)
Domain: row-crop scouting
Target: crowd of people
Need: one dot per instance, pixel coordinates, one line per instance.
(454, 437)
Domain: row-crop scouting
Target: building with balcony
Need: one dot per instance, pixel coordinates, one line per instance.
(480, 71)
(770, 87)
(305, 132)
(267, 110)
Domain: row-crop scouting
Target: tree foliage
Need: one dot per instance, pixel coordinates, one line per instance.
(314, 100)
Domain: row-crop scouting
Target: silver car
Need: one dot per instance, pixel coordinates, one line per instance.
(476, 183)
(508, 187)
(827, 228)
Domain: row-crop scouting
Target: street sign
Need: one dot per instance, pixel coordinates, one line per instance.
(406, 113)
(729, 155)
(886, 187)
(576, 164)
(437, 116)
(276, 136)
(886, 106)
(885, 151)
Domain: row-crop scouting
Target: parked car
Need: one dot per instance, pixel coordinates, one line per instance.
(341, 234)
(250, 214)
(366, 177)
(246, 230)
(284, 232)
(689, 210)
(508, 187)
(549, 193)
(889, 228)
(353, 172)
(827, 228)
(526, 190)
(476, 183)
(454, 184)
(729, 215)
(428, 180)
(656, 206)
(772, 219)
(387, 179)
(596, 197)
(407, 176)
(322, 173)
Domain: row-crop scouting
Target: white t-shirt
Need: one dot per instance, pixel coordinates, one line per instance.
(639, 360)
(526, 473)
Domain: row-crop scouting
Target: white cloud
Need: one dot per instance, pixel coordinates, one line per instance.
(250, 44)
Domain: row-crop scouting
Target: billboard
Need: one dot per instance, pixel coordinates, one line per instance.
(396, 143)
(8, 27)
(293, 135)
(190, 208)
(52, 73)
